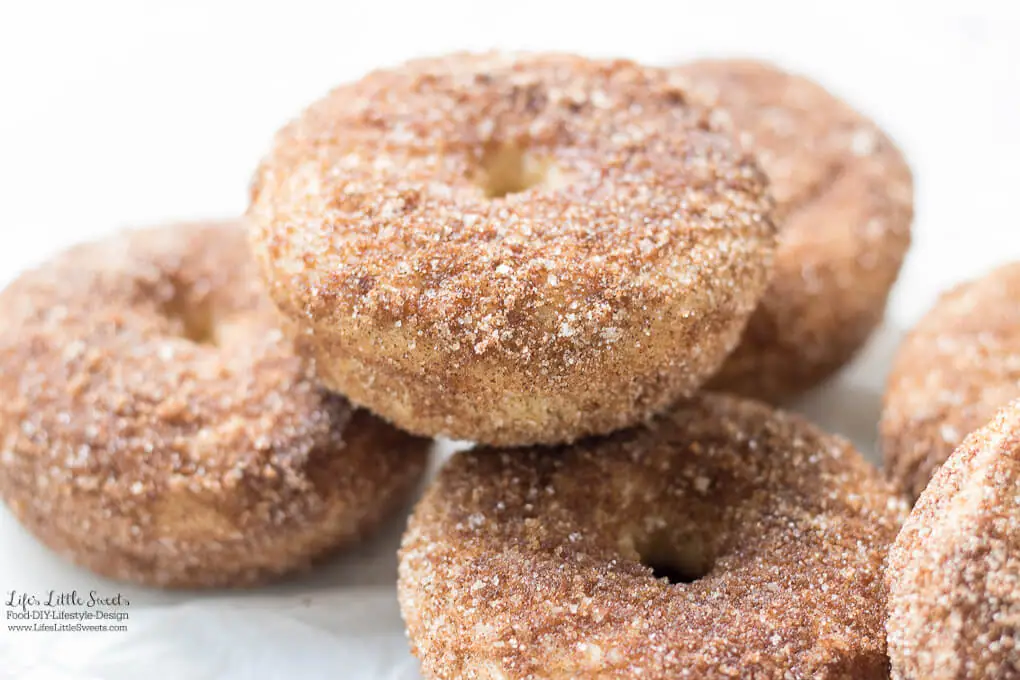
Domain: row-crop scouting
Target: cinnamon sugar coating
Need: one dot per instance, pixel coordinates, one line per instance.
(528, 563)
(157, 427)
(954, 570)
(513, 249)
(953, 372)
(844, 206)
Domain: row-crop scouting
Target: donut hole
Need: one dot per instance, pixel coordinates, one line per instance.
(678, 560)
(199, 329)
(195, 323)
(509, 169)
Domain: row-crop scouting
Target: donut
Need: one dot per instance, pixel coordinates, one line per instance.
(513, 249)
(156, 427)
(720, 539)
(844, 206)
(954, 569)
(951, 374)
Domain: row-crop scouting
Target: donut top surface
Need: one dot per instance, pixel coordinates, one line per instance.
(844, 207)
(780, 530)
(507, 201)
(154, 359)
(954, 570)
(805, 139)
(954, 370)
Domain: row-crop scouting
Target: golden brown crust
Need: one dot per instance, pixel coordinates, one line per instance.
(527, 563)
(954, 370)
(156, 427)
(580, 305)
(844, 206)
(954, 570)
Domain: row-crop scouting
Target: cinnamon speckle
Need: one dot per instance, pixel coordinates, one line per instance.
(954, 570)
(615, 200)
(953, 371)
(148, 394)
(844, 206)
(789, 546)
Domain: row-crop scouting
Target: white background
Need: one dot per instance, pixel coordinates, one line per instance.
(122, 113)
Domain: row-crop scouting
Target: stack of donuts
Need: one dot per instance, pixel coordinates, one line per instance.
(607, 276)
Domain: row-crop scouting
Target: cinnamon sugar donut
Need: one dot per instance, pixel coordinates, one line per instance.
(533, 563)
(954, 570)
(156, 427)
(844, 205)
(954, 370)
(513, 249)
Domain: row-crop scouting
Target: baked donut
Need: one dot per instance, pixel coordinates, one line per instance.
(954, 370)
(954, 570)
(156, 427)
(844, 205)
(773, 533)
(513, 249)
